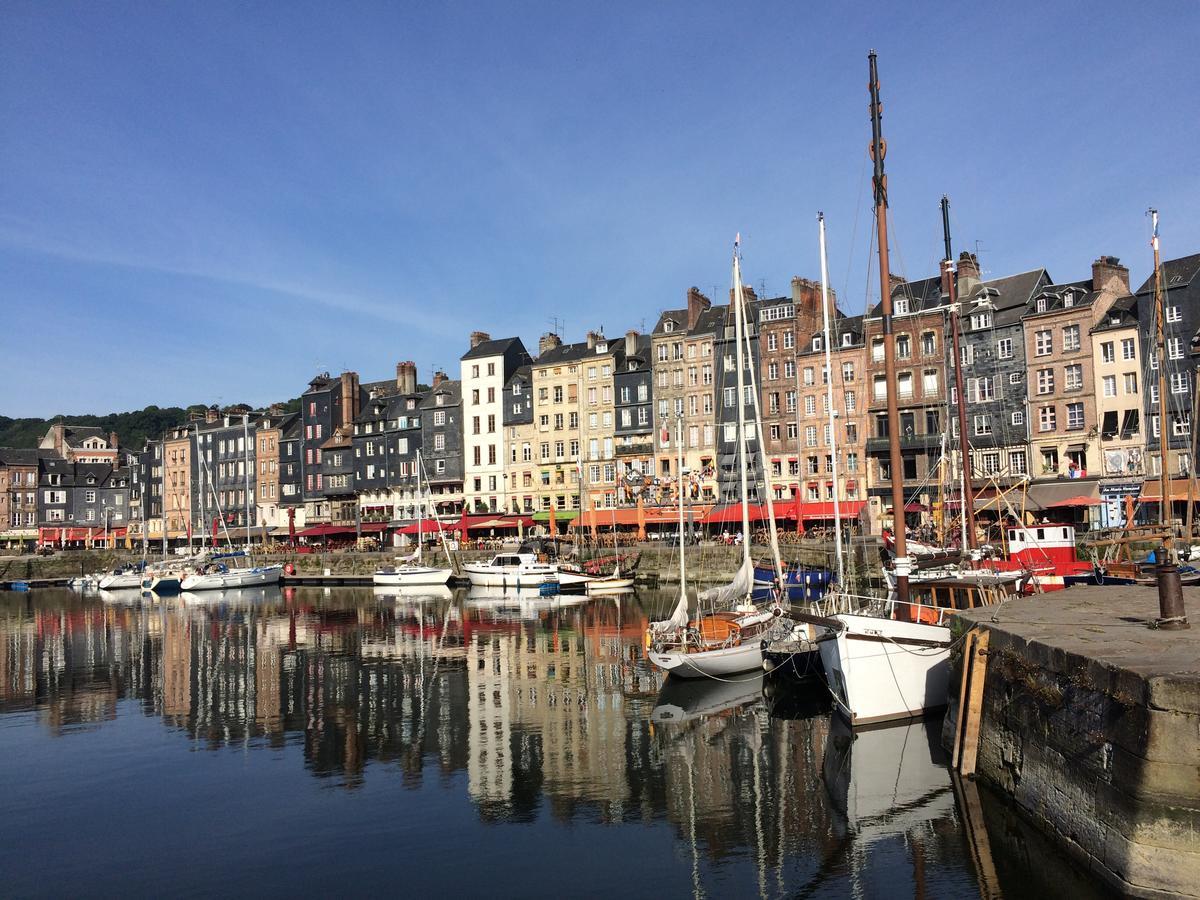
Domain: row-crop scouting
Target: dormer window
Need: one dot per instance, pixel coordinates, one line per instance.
(602, 347)
(1068, 299)
(900, 306)
(1040, 306)
(410, 404)
(847, 340)
(818, 342)
(668, 326)
(441, 399)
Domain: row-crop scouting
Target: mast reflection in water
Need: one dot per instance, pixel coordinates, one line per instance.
(518, 748)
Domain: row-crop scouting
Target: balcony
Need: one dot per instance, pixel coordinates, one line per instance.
(645, 448)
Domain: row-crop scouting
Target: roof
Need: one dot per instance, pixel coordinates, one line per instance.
(1177, 273)
(384, 388)
(493, 348)
(521, 373)
(291, 428)
(1010, 296)
(1056, 294)
(1122, 314)
(565, 353)
(18, 456)
(452, 387)
(678, 316)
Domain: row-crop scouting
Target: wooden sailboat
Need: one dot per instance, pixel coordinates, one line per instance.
(729, 639)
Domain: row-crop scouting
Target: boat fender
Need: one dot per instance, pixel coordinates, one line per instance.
(289, 569)
(777, 611)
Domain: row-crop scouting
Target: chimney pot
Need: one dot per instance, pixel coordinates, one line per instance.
(631, 337)
(113, 441)
(548, 342)
(438, 378)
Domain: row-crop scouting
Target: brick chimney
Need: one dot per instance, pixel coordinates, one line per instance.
(351, 398)
(968, 275)
(406, 377)
(631, 338)
(478, 337)
(548, 342)
(697, 303)
(1108, 274)
(211, 415)
(275, 411)
(438, 378)
(806, 296)
(592, 338)
(113, 441)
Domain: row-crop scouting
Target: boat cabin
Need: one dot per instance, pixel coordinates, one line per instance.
(512, 560)
(1035, 546)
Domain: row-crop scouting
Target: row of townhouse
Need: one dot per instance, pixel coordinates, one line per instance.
(1061, 396)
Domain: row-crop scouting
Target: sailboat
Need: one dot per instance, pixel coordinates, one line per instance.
(891, 661)
(216, 575)
(413, 572)
(728, 640)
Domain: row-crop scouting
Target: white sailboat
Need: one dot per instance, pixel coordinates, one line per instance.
(412, 572)
(215, 575)
(728, 640)
(892, 661)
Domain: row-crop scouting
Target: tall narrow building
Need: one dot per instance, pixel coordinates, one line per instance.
(486, 368)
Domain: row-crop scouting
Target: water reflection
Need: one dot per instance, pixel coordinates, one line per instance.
(525, 708)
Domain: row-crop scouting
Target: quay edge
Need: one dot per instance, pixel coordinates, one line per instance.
(1090, 725)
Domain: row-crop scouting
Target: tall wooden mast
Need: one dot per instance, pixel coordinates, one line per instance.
(950, 291)
(896, 460)
(1164, 472)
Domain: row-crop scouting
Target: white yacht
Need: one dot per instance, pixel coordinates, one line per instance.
(218, 577)
(512, 570)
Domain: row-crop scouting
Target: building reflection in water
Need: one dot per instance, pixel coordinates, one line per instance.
(543, 706)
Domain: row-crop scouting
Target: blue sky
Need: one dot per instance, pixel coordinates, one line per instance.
(210, 202)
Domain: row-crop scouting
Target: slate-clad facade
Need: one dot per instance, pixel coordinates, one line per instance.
(442, 442)
(634, 386)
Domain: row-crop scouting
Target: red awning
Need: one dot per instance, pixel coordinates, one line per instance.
(48, 534)
(426, 526)
(1078, 501)
(503, 522)
(77, 534)
(372, 527)
(325, 530)
(849, 509)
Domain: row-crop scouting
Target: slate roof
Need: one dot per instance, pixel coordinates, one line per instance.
(678, 316)
(1010, 295)
(1122, 314)
(1055, 294)
(291, 428)
(491, 348)
(384, 388)
(521, 373)
(1177, 273)
(453, 390)
(565, 353)
(18, 456)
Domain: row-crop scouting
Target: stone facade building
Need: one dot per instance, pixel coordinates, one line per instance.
(18, 496)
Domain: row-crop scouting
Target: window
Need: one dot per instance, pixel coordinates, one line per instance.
(1128, 349)
(1004, 348)
(989, 462)
(818, 342)
(772, 371)
(1181, 425)
(1175, 348)
(1070, 337)
(877, 349)
(772, 341)
(848, 371)
(1049, 460)
(809, 377)
(1014, 377)
(789, 340)
(1043, 343)
(850, 401)
(1173, 314)
(983, 425)
(1131, 386)
(1046, 418)
(904, 384)
(1018, 417)
(789, 370)
(439, 442)
(900, 306)
(928, 343)
(810, 436)
(1045, 381)
(1106, 352)
(880, 387)
(981, 320)
(1179, 382)
(810, 405)
(903, 346)
(967, 354)
(1073, 378)
(1074, 416)
(730, 397)
(981, 390)
(1016, 462)
(1110, 385)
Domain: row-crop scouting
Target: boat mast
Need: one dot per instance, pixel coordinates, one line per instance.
(837, 510)
(163, 475)
(679, 482)
(739, 361)
(1164, 503)
(420, 508)
(950, 290)
(246, 439)
(896, 461)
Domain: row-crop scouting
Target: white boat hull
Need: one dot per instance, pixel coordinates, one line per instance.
(510, 578)
(881, 670)
(745, 657)
(121, 581)
(412, 576)
(234, 578)
(610, 585)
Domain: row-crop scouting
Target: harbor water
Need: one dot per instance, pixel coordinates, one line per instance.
(317, 741)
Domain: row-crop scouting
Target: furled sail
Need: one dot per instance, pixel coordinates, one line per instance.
(725, 596)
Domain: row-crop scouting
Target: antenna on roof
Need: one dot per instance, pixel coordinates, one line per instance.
(557, 325)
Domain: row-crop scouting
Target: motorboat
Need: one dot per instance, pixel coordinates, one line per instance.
(127, 578)
(512, 570)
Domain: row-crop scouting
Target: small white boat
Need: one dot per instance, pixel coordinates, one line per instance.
(517, 571)
(130, 579)
(611, 584)
(411, 575)
(716, 645)
(222, 578)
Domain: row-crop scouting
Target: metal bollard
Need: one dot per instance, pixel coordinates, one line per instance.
(1171, 614)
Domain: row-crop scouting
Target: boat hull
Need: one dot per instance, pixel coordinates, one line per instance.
(235, 578)
(509, 578)
(163, 585)
(606, 585)
(882, 670)
(121, 582)
(745, 657)
(413, 576)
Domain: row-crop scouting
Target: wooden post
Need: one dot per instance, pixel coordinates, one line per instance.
(970, 701)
